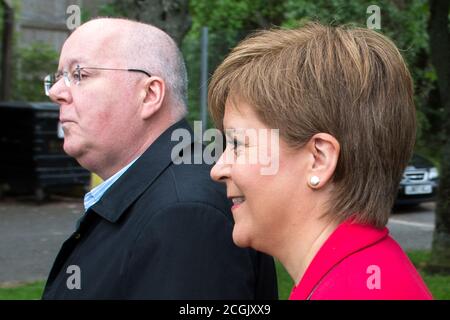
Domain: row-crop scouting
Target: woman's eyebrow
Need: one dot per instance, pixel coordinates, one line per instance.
(229, 131)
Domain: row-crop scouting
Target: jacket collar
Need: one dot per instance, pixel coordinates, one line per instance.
(139, 176)
(347, 239)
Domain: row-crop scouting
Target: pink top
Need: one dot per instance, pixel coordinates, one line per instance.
(359, 262)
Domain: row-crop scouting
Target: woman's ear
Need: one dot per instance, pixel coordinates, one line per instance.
(325, 150)
(153, 94)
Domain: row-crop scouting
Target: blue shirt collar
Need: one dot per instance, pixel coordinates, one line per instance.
(93, 196)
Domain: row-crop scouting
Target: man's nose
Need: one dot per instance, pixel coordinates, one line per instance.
(221, 170)
(60, 93)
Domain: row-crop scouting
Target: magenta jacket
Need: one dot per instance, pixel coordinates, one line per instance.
(360, 262)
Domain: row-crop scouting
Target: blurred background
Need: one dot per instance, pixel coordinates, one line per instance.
(41, 188)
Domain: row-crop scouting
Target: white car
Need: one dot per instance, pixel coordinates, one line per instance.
(420, 182)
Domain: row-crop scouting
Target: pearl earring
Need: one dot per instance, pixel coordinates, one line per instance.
(314, 181)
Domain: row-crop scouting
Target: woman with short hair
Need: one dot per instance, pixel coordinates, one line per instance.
(341, 100)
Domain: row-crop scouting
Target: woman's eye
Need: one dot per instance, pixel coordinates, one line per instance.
(236, 146)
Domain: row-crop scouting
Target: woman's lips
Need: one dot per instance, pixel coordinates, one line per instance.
(237, 201)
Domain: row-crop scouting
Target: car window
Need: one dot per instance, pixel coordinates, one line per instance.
(420, 162)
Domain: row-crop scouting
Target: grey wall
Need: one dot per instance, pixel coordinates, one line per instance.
(45, 20)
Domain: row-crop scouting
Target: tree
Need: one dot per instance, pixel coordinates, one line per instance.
(438, 29)
(405, 22)
(31, 65)
(172, 16)
(228, 22)
(7, 48)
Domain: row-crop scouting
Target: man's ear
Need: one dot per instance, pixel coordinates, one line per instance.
(153, 95)
(324, 150)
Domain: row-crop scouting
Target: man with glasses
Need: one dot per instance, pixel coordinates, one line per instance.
(152, 229)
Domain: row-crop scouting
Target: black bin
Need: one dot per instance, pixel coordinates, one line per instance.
(33, 159)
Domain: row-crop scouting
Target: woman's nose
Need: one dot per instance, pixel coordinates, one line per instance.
(221, 170)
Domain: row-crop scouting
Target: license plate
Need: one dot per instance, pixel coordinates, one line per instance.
(419, 189)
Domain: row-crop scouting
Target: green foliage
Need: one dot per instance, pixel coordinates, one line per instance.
(228, 21)
(191, 52)
(285, 282)
(30, 291)
(1, 21)
(32, 64)
(110, 10)
(1, 36)
(438, 284)
(85, 15)
(405, 23)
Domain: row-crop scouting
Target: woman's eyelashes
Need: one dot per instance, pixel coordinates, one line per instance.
(236, 145)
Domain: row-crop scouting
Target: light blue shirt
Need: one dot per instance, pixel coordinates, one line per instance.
(93, 196)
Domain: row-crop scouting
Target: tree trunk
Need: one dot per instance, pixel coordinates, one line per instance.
(172, 16)
(438, 30)
(7, 48)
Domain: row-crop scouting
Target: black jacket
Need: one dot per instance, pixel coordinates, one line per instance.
(162, 231)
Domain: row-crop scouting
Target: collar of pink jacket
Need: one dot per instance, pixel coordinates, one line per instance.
(347, 239)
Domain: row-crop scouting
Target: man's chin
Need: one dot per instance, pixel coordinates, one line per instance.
(72, 150)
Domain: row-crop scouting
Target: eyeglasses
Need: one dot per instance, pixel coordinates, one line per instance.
(76, 76)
